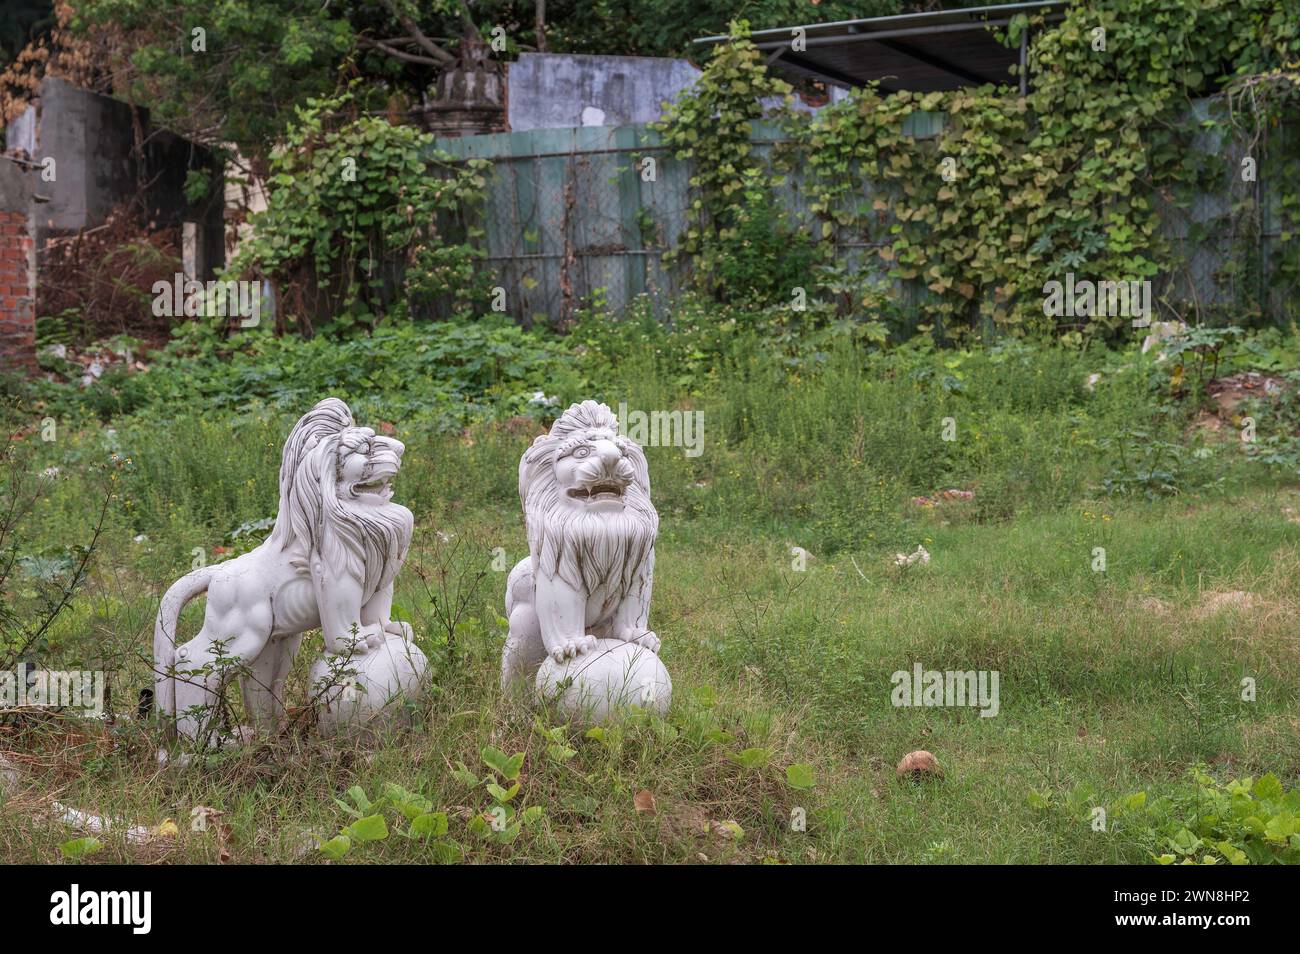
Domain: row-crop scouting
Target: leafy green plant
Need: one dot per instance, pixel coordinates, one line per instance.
(751, 758)
(800, 776)
(765, 257)
(1277, 427)
(1205, 821)
(1202, 345)
(370, 825)
(456, 372)
(1242, 821)
(710, 124)
(500, 822)
(1144, 464)
(360, 222)
(77, 848)
(556, 739)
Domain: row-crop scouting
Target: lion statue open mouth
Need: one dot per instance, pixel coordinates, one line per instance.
(330, 561)
(585, 491)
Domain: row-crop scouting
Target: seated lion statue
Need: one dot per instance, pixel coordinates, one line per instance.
(330, 561)
(585, 491)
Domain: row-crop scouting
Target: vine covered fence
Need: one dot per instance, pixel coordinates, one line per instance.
(584, 215)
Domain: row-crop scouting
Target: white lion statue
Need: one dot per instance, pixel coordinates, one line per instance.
(330, 561)
(585, 491)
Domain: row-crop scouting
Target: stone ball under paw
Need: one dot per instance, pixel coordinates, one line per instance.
(382, 679)
(602, 681)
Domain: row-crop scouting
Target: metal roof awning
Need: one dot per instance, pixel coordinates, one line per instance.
(943, 50)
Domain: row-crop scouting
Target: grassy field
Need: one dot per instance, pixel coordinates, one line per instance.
(1112, 682)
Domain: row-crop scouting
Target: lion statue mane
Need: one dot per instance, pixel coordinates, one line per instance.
(585, 491)
(330, 561)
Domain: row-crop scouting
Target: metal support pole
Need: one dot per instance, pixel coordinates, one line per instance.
(1024, 62)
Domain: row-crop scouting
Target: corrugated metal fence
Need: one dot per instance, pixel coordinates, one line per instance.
(569, 216)
(573, 216)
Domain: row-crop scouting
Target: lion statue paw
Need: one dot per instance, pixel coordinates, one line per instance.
(647, 639)
(397, 627)
(572, 648)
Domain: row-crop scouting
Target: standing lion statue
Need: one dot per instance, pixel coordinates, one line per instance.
(330, 561)
(585, 491)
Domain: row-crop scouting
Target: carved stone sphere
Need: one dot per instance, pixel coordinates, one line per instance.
(385, 677)
(596, 686)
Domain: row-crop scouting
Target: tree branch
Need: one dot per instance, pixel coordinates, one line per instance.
(442, 57)
(467, 18)
(403, 56)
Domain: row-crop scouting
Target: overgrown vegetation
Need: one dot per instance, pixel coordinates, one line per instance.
(1076, 177)
(1113, 681)
(361, 224)
(448, 373)
(1115, 532)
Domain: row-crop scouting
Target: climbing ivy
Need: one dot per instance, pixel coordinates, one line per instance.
(711, 126)
(1255, 108)
(362, 222)
(1085, 174)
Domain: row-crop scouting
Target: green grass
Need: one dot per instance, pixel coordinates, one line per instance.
(1097, 690)
(1110, 682)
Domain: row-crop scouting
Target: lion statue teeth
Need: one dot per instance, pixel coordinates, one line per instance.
(330, 562)
(585, 490)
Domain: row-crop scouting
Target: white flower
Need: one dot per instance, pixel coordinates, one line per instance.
(49, 473)
(140, 538)
(539, 397)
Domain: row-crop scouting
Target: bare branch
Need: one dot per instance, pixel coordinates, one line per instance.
(400, 55)
(410, 26)
(467, 18)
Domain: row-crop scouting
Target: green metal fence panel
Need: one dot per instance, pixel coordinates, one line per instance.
(578, 215)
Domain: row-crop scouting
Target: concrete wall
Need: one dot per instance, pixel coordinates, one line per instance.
(564, 90)
(17, 270)
(560, 90)
(92, 141)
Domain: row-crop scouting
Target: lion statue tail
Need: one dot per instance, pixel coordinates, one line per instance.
(164, 635)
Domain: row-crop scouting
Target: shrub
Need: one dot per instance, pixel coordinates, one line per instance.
(450, 372)
(1243, 821)
(361, 223)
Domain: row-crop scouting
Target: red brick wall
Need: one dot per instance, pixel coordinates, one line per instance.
(17, 295)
